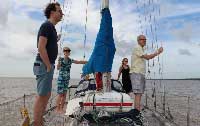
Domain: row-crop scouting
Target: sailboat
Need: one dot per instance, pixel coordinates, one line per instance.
(89, 105)
(102, 100)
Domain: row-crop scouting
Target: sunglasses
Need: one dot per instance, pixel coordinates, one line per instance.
(66, 50)
(125, 61)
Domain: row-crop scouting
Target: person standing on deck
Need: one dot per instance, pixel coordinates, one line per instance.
(44, 65)
(124, 70)
(138, 69)
(64, 66)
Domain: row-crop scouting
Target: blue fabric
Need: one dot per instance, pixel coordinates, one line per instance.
(102, 56)
(44, 78)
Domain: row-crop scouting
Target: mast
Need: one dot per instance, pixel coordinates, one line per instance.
(105, 76)
(104, 4)
(101, 67)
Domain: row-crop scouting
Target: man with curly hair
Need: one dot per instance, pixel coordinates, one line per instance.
(44, 64)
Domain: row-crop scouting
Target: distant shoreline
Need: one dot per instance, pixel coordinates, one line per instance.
(177, 79)
(80, 78)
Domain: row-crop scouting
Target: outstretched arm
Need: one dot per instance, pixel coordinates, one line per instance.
(80, 62)
(151, 56)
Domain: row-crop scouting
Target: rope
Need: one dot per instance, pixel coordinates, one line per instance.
(85, 35)
(148, 11)
(62, 27)
(69, 4)
(15, 100)
(61, 31)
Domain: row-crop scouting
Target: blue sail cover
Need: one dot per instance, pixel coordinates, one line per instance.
(102, 56)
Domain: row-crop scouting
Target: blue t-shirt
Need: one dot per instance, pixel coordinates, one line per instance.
(48, 30)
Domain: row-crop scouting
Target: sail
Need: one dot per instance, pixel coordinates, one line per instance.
(103, 53)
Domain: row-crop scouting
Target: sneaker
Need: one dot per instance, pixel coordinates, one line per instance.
(84, 123)
(139, 119)
(141, 116)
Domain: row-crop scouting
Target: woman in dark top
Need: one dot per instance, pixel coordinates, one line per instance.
(124, 70)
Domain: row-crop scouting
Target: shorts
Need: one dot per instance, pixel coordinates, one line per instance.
(62, 85)
(138, 83)
(44, 78)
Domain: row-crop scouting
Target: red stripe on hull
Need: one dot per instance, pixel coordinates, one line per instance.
(108, 104)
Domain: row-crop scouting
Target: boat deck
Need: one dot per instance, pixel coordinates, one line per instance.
(54, 119)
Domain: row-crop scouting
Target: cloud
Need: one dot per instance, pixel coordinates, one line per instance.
(21, 19)
(123, 48)
(171, 9)
(179, 19)
(18, 36)
(124, 33)
(184, 34)
(18, 45)
(2, 44)
(5, 7)
(185, 52)
(30, 4)
(180, 28)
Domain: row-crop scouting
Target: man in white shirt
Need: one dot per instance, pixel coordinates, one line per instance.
(138, 69)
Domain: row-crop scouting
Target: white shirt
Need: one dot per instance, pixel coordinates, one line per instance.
(138, 64)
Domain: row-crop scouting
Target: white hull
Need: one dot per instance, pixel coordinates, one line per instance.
(108, 101)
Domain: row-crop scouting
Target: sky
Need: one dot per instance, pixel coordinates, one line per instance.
(174, 26)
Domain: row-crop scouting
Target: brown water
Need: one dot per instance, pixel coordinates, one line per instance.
(177, 90)
(12, 88)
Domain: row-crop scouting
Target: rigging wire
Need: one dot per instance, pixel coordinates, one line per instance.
(148, 24)
(61, 30)
(85, 29)
(60, 35)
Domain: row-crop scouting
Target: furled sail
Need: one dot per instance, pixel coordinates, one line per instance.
(102, 56)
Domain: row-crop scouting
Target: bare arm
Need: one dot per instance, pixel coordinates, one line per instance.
(58, 65)
(119, 74)
(80, 62)
(43, 52)
(151, 56)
